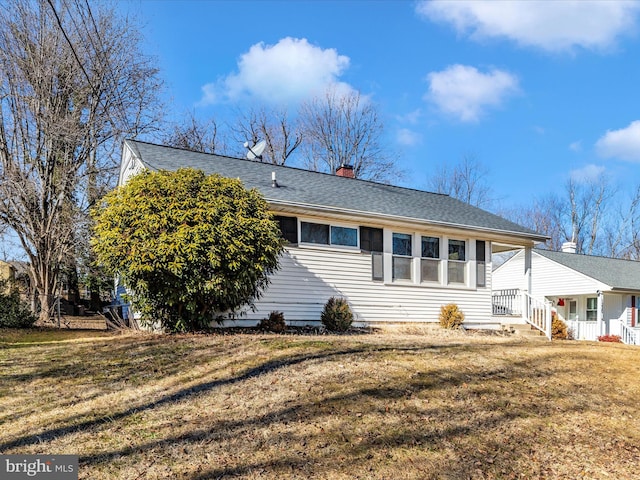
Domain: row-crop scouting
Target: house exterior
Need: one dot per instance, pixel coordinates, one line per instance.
(593, 295)
(7, 274)
(396, 254)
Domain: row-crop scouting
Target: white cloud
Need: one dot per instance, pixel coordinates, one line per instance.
(466, 93)
(623, 144)
(288, 71)
(576, 146)
(587, 173)
(412, 117)
(550, 25)
(408, 138)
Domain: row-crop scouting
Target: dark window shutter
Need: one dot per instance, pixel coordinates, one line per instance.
(377, 267)
(288, 227)
(371, 239)
(480, 251)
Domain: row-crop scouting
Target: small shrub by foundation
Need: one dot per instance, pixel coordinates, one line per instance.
(559, 329)
(274, 323)
(610, 338)
(336, 315)
(451, 316)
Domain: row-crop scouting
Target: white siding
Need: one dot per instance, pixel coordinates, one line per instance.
(510, 274)
(308, 277)
(548, 278)
(614, 306)
(130, 165)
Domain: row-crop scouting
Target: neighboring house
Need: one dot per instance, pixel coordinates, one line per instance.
(396, 254)
(7, 274)
(593, 295)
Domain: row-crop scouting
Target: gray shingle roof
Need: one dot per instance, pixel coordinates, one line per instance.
(303, 187)
(617, 273)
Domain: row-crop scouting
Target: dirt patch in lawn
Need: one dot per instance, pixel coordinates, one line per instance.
(393, 405)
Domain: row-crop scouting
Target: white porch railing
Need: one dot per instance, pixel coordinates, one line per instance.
(583, 330)
(628, 335)
(516, 303)
(506, 302)
(538, 313)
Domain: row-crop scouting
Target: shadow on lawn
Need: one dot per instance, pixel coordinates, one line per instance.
(426, 435)
(263, 369)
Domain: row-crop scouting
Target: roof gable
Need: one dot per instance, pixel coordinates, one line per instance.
(307, 188)
(617, 273)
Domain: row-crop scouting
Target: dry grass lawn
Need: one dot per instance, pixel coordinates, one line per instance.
(421, 404)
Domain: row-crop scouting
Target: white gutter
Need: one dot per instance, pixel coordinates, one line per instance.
(323, 209)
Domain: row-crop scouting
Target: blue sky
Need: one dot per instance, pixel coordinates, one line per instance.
(538, 92)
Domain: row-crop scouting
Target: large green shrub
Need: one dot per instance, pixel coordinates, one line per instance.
(336, 315)
(13, 312)
(189, 247)
(451, 316)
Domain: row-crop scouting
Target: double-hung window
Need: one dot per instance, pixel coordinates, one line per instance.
(401, 256)
(592, 309)
(457, 262)
(430, 261)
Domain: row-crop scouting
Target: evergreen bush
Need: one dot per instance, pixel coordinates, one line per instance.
(336, 315)
(274, 323)
(14, 313)
(189, 247)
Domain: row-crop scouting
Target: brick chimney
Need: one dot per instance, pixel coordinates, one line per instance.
(345, 171)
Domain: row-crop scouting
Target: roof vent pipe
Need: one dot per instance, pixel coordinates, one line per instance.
(569, 247)
(274, 182)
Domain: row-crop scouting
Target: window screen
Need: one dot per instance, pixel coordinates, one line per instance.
(371, 239)
(288, 228)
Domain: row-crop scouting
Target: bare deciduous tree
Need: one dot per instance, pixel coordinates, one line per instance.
(466, 181)
(281, 135)
(576, 215)
(197, 135)
(587, 204)
(622, 230)
(543, 217)
(345, 129)
(73, 83)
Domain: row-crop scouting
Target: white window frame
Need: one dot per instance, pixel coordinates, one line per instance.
(410, 257)
(437, 260)
(464, 262)
(587, 310)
